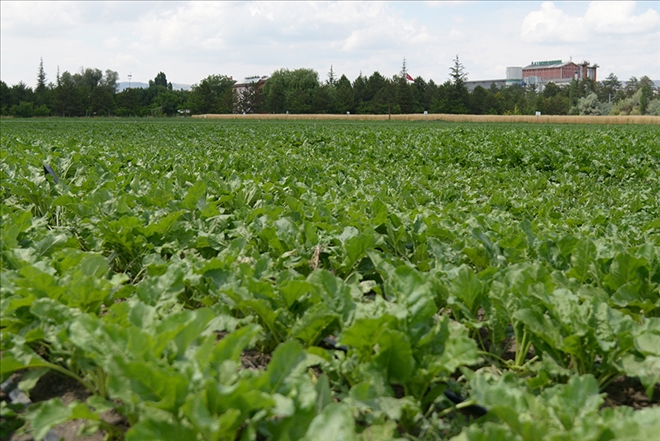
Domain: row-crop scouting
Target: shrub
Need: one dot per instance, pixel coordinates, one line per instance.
(23, 110)
(590, 105)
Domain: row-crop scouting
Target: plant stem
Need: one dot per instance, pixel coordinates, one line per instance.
(459, 406)
(521, 351)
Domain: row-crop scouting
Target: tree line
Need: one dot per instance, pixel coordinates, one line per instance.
(92, 92)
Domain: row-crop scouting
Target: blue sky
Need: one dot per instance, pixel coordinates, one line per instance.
(191, 40)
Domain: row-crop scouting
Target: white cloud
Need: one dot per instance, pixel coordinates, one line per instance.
(456, 35)
(283, 31)
(619, 18)
(445, 4)
(551, 25)
(190, 40)
(112, 43)
(38, 19)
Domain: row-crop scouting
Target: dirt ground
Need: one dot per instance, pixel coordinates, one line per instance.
(52, 385)
(627, 391)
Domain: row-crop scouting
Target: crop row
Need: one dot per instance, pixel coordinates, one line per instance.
(379, 271)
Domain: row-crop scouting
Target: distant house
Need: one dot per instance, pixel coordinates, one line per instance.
(240, 88)
(247, 98)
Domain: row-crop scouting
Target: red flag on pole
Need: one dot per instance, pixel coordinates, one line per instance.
(408, 77)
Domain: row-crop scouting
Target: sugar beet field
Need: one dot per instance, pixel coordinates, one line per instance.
(299, 280)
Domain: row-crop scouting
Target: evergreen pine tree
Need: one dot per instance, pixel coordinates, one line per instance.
(457, 72)
(41, 78)
(331, 76)
(458, 97)
(404, 93)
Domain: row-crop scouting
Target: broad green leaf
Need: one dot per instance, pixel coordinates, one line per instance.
(40, 283)
(212, 427)
(513, 406)
(313, 324)
(286, 364)
(93, 265)
(465, 285)
(31, 377)
(323, 393)
(357, 246)
(21, 357)
(381, 432)
(335, 423)
(162, 226)
(638, 425)
(623, 270)
(362, 334)
(334, 292)
(264, 310)
(459, 352)
(194, 194)
(648, 343)
(18, 223)
(162, 290)
(293, 290)
(46, 415)
(582, 259)
(647, 369)
(89, 334)
(395, 355)
(51, 243)
(379, 213)
(163, 388)
(541, 325)
(233, 344)
(575, 401)
(183, 327)
(488, 432)
(161, 429)
(416, 293)
(11, 364)
(243, 396)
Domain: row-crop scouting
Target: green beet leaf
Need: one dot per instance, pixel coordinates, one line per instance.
(284, 368)
(162, 428)
(395, 355)
(335, 423)
(194, 194)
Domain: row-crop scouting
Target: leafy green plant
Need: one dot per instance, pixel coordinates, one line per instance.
(274, 279)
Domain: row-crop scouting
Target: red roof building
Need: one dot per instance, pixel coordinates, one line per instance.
(240, 88)
(558, 71)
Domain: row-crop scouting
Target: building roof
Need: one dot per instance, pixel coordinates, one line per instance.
(547, 64)
(250, 80)
(472, 84)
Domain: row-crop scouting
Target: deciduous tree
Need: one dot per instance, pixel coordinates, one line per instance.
(214, 94)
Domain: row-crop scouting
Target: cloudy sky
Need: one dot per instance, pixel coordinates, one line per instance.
(191, 40)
